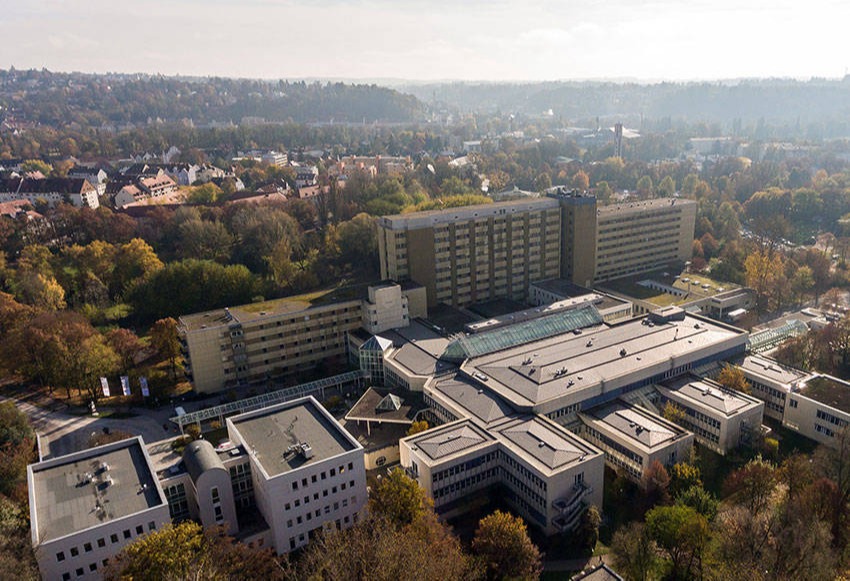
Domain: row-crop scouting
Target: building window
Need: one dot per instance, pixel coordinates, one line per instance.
(793, 403)
(140, 530)
(74, 551)
(60, 556)
(93, 567)
(113, 538)
(79, 572)
(66, 577)
(214, 494)
(87, 547)
(152, 526)
(101, 542)
(127, 533)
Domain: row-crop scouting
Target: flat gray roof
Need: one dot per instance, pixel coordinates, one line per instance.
(449, 439)
(637, 425)
(85, 489)
(478, 402)
(643, 206)
(772, 370)
(553, 367)
(568, 289)
(430, 218)
(418, 349)
(709, 396)
(268, 433)
(544, 444)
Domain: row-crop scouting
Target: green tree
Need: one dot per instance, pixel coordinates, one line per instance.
(377, 550)
(399, 499)
(205, 194)
(700, 500)
(673, 412)
(33, 165)
(589, 527)
(682, 534)
(752, 485)
(17, 560)
(502, 545)
(732, 377)
(165, 338)
(204, 240)
(635, 553)
(187, 551)
(802, 282)
(17, 444)
(667, 187)
(682, 477)
(644, 186)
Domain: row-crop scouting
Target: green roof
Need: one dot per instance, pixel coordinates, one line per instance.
(466, 346)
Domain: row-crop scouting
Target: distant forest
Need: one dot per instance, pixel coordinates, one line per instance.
(818, 106)
(812, 110)
(62, 99)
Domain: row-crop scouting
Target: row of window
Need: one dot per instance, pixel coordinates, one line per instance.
(324, 475)
(468, 482)
(101, 542)
(834, 420)
(318, 512)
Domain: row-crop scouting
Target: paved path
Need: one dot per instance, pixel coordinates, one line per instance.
(61, 432)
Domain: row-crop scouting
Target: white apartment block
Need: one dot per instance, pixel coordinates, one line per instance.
(87, 506)
(308, 472)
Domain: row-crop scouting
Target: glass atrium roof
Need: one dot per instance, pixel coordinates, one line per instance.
(769, 338)
(466, 346)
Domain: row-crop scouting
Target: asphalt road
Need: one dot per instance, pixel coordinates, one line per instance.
(61, 432)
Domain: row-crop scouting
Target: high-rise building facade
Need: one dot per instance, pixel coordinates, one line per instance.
(477, 253)
(640, 236)
(473, 254)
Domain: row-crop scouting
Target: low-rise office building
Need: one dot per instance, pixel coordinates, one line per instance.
(633, 438)
(721, 419)
(819, 408)
(771, 382)
(85, 507)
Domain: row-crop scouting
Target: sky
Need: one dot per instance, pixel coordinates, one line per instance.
(499, 40)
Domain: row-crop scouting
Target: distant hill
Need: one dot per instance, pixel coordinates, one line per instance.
(59, 99)
(774, 100)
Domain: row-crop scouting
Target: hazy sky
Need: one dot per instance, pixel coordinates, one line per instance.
(436, 39)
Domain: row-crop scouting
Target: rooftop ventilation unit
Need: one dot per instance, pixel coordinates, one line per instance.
(306, 451)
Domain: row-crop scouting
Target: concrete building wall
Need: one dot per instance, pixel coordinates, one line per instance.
(94, 546)
(214, 495)
(815, 420)
(226, 354)
(334, 488)
(642, 236)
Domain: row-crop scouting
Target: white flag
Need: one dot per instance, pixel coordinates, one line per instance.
(125, 384)
(143, 381)
(105, 385)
